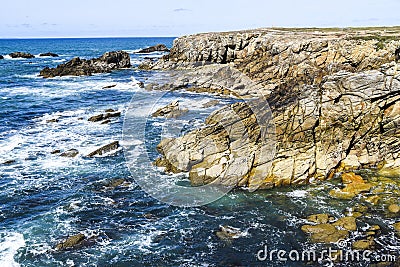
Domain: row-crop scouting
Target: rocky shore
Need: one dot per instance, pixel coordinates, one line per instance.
(333, 97)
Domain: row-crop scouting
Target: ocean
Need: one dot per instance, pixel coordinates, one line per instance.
(45, 198)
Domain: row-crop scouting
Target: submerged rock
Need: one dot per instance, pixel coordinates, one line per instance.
(228, 233)
(79, 67)
(363, 244)
(49, 54)
(211, 103)
(21, 55)
(104, 149)
(70, 153)
(155, 48)
(71, 242)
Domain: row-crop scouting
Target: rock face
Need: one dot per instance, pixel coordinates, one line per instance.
(334, 102)
(49, 54)
(79, 67)
(21, 55)
(349, 121)
(155, 48)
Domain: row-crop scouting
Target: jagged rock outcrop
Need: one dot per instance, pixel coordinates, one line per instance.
(155, 48)
(333, 97)
(79, 67)
(21, 55)
(349, 121)
(274, 57)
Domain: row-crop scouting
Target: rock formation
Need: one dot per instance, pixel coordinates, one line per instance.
(155, 48)
(49, 54)
(21, 55)
(104, 149)
(172, 110)
(334, 103)
(1, 57)
(79, 67)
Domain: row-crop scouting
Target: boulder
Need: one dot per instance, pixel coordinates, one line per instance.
(21, 55)
(110, 113)
(49, 54)
(228, 233)
(171, 110)
(104, 149)
(394, 208)
(70, 153)
(79, 67)
(324, 233)
(1, 57)
(71, 242)
(155, 48)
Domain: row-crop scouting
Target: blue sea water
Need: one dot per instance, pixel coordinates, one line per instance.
(45, 198)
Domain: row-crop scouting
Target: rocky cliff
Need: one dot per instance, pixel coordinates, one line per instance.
(333, 97)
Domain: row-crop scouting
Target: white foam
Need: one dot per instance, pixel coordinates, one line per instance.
(9, 245)
(298, 194)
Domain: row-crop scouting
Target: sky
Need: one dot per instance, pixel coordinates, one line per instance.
(130, 18)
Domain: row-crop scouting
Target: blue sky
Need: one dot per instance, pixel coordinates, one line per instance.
(89, 18)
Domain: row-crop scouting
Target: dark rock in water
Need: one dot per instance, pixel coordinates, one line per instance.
(109, 110)
(8, 162)
(106, 122)
(49, 54)
(115, 183)
(110, 113)
(79, 67)
(52, 120)
(1, 57)
(155, 48)
(70, 153)
(172, 110)
(96, 118)
(104, 149)
(109, 86)
(140, 84)
(57, 151)
(71, 242)
(21, 55)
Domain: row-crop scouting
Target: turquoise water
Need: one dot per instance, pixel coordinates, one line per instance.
(45, 198)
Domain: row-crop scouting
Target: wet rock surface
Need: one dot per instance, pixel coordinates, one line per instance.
(104, 149)
(21, 55)
(155, 48)
(82, 67)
